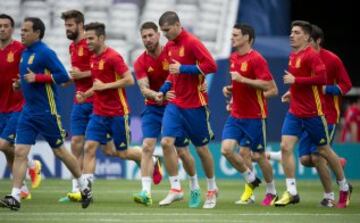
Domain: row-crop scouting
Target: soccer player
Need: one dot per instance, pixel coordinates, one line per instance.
(40, 70)
(151, 71)
(12, 100)
(338, 83)
(351, 128)
(306, 74)
(189, 61)
(110, 118)
(246, 124)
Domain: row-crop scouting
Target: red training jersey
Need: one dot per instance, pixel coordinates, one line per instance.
(352, 116)
(108, 67)
(336, 74)
(188, 50)
(11, 101)
(249, 102)
(80, 59)
(306, 93)
(155, 69)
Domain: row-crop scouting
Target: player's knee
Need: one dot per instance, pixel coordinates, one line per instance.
(166, 144)
(256, 157)
(306, 161)
(315, 159)
(77, 143)
(245, 153)
(122, 154)
(148, 148)
(90, 148)
(285, 148)
(227, 151)
(20, 153)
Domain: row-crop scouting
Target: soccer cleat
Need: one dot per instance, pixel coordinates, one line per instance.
(173, 195)
(344, 198)
(195, 198)
(10, 202)
(64, 199)
(328, 203)
(287, 199)
(143, 198)
(25, 195)
(269, 199)
(246, 197)
(35, 174)
(210, 201)
(74, 196)
(251, 200)
(157, 174)
(86, 196)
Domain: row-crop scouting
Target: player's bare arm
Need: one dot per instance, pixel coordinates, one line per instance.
(145, 88)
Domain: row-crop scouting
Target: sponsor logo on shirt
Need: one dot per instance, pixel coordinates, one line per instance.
(298, 63)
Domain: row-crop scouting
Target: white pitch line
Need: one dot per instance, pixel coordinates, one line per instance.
(172, 214)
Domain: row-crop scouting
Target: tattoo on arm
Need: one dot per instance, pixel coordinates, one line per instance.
(145, 88)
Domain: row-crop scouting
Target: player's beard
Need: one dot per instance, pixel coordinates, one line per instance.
(72, 35)
(152, 48)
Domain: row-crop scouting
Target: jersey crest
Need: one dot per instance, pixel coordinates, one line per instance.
(81, 52)
(181, 51)
(31, 59)
(101, 64)
(244, 66)
(10, 57)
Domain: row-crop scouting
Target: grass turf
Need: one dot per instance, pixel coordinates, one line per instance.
(114, 203)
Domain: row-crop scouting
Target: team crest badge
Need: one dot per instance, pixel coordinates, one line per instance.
(165, 65)
(150, 69)
(181, 51)
(244, 66)
(81, 52)
(31, 59)
(298, 63)
(101, 65)
(10, 57)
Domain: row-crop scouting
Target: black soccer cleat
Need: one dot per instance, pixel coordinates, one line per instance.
(10, 202)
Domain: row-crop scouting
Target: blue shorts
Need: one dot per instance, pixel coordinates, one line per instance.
(194, 122)
(102, 129)
(151, 122)
(315, 127)
(80, 116)
(8, 124)
(306, 147)
(46, 124)
(247, 132)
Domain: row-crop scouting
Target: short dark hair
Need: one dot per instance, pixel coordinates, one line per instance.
(305, 25)
(246, 30)
(38, 25)
(317, 33)
(5, 16)
(169, 17)
(97, 26)
(149, 25)
(73, 14)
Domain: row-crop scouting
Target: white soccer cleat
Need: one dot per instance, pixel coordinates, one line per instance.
(210, 201)
(173, 195)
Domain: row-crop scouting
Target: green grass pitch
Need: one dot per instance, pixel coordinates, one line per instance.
(114, 203)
